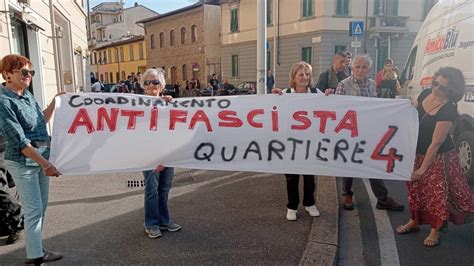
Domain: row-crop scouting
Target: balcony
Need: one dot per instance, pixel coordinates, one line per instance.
(387, 24)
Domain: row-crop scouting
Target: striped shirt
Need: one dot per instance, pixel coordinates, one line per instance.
(21, 121)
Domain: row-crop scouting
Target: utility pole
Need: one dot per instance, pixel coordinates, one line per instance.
(261, 46)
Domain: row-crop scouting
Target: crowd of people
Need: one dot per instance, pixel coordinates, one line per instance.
(438, 191)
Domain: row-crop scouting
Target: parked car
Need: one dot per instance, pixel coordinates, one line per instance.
(108, 87)
(246, 87)
(206, 92)
(169, 90)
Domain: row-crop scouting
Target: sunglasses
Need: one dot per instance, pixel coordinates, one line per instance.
(25, 72)
(435, 83)
(149, 82)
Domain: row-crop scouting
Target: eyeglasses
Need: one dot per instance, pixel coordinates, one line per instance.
(24, 72)
(435, 83)
(154, 82)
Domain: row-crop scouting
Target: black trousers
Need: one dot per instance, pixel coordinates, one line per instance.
(378, 188)
(292, 188)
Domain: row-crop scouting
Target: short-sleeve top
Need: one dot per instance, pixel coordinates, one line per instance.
(427, 124)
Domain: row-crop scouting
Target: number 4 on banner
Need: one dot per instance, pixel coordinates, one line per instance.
(392, 152)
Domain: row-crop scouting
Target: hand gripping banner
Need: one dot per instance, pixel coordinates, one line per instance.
(291, 133)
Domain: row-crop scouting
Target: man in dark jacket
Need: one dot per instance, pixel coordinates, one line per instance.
(333, 75)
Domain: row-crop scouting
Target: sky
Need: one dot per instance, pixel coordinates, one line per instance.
(160, 6)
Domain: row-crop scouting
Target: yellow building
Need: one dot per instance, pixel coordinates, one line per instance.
(116, 61)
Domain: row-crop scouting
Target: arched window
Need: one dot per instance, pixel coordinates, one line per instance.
(193, 33)
(162, 39)
(152, 41)
(183, 35)
(172, 38)
(184, 71)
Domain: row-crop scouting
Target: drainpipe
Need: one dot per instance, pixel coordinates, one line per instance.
(55, 46)
(274, 39)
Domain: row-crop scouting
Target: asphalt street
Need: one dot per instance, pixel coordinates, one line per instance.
(227, 218)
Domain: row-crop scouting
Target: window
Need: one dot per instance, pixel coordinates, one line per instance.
(110, 56)
(104, 57)
(162, 39)
(342, 8)
(116, 54)
(111, 77)
(140, 51)
(183, 35)
(95, 59)
(388, 8)
(185, 72)
(172, 38)
(130, 51)
(269, 12)
(235, 66)
(427, 5)
(307, 8)
(193, 33)
(339, 48)
(106, 77)
(234, 19)
(117, 76)
(152, 41)
(100, 58)
(306, 54)
(122, 56)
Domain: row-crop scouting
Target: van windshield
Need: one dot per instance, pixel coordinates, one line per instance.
(409, 69)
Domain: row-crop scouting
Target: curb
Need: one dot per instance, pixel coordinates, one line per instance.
(322, 245)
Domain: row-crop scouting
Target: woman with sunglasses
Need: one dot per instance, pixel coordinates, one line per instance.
(158, 182)
(23, 125)
(438, 190)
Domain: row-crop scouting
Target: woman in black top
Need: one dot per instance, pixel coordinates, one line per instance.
(437, 181)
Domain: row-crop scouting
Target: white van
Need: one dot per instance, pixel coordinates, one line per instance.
(446, 38)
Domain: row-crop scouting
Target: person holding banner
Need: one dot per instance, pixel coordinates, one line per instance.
(23, 125)
(300, 82)
(158, 182)
(359, 84)
(438, 190)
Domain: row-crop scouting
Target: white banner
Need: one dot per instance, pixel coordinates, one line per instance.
(290, 133)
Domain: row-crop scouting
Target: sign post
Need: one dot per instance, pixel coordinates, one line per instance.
(356, 29)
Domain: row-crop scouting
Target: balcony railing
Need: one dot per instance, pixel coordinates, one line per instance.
(388, 24)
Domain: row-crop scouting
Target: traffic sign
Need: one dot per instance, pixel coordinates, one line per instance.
(356, 28)
(355, 44)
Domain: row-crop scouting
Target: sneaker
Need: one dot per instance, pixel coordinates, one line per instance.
(389, 204)
(153, 232)
(48, 256)
(348, 205)
(291, 215)
(172, 227)
(313, 211)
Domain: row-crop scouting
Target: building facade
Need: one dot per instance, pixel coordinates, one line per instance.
(185, 42)
(109, 23)
(313, 30)
(45, 32)
(117, 60)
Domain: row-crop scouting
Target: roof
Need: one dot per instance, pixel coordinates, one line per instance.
(177, 11)
(132, 39)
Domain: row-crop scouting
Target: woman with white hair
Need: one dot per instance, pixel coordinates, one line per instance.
(359, 84)
(158, 182)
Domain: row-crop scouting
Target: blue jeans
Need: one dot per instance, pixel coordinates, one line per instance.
(157, 188)
(33, 187)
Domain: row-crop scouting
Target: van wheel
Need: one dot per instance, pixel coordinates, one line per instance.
(465, 147)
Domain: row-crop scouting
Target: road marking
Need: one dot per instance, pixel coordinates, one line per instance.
(179, 191)
(242, 179)
(387, 244)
